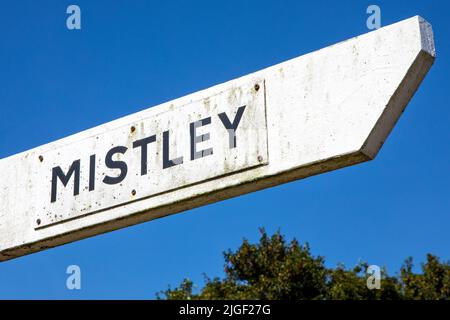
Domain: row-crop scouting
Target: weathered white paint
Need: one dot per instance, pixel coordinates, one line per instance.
(249, 150)
(325, 110)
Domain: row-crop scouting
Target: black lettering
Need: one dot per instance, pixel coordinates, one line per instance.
(196, 139)
(231, 127)
(143, 145)
(115, 164)
(57, 173)
(166, 162)
(92, 172)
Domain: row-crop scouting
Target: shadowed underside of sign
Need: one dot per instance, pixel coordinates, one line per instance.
(322, 111)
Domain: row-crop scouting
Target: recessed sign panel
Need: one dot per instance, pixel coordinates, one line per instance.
(205, 139)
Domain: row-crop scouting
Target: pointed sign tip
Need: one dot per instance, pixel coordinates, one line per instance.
(427, 37)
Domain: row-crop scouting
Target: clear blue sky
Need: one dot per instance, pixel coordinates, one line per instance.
(131, 55)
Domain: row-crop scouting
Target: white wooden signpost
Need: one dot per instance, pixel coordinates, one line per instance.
(319, 112)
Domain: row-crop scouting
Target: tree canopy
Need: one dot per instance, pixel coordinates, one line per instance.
(275, 269)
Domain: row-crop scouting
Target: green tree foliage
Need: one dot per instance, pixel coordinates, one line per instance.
(274, 269)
